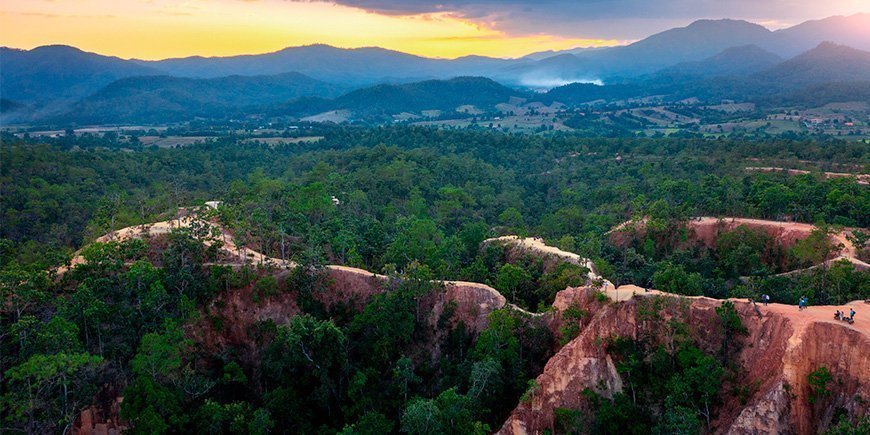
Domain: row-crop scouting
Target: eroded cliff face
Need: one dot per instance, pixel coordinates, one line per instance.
(775, 358)
(582, 363)
(230, 320)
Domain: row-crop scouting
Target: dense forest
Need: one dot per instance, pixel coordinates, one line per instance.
(412, 203)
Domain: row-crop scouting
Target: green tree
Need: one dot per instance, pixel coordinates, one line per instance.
(673, 278)
(512, 280)
(46, 392)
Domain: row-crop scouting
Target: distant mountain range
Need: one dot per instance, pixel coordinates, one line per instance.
(699, 40)
(156, 99)
(738, 74)
(356, 66)
(707, 59)
(57, 74)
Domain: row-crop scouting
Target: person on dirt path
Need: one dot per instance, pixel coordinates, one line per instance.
(837, 315)
(852, 313)
(765, 298)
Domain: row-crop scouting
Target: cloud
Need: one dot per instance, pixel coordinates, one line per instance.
(612, 19)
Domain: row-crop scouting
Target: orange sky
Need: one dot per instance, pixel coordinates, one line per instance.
(157, 29)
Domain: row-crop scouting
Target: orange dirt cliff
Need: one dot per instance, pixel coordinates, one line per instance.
(775, 358)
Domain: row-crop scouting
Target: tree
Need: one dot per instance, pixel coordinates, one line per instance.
(673, 278)
(818, 381)
(449, 413)
(512, 279)
(307, 359)
(154, 401)
(47, 391)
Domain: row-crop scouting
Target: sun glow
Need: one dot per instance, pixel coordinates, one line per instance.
(157, 29)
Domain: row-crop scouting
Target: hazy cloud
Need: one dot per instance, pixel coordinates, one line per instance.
(616, 19)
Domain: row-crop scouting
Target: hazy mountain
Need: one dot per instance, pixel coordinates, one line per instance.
(168, 99)
(826, 63)
(58, 73)
(699, 40)
(693, 43)
(353, 66)
(853, 31)
(732, 61)
(541, 55)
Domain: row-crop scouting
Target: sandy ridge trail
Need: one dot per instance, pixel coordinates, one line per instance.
(781, 229)
(245, 255)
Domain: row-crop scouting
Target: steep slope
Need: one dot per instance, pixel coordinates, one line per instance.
(169, 99)
(60, 73)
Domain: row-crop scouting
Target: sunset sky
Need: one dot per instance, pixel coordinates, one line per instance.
(156, 29)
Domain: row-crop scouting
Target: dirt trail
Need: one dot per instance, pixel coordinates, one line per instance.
(240, 255)
(537, 246)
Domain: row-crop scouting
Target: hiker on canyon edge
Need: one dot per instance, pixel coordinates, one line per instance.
(852, 313)
(765, 299)
(802, 303)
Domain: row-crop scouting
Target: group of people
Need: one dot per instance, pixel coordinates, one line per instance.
(842, 315)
